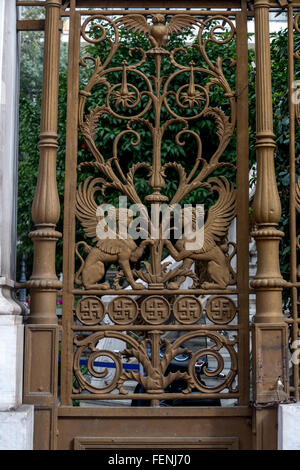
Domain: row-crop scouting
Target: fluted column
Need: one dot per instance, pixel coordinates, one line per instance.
(269, 330)
(45, 208)
(41, 341)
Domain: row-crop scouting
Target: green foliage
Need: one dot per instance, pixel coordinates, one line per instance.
(31, 60)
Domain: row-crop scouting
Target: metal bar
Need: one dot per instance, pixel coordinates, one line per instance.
(156, 4)
(154, 327)
(158, 292)
(242, 203)
(232, 15)
(152, 12)
(34, 25)
(69, 217)
(154, 396)
(31, 4)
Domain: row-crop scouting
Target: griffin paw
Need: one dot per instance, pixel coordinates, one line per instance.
(138, 286)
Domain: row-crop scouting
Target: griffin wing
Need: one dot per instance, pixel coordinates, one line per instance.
(180, 22)
(220, 214)
(86, 207)
(298, 194)
(136, 22)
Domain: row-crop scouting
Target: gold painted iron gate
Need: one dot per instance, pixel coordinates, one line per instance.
(154, 341)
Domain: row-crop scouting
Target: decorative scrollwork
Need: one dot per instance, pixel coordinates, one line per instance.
(132, 101)
(220, 342)
(97, 25)
(82, 382)
(157, 377)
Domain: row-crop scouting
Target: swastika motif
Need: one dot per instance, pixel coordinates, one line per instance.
(123, 310)
(90, 310)
(187, 309)
(155, 310)
(220, 310)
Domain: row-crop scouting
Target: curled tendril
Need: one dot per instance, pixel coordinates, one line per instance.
(172, 57)
(103, 36)
(83, 383)
(211, 372)
(115, 148)
(199, 152)
(144, 56)
(220, 342)
(212, 31)
(296, 23)
(116, 141)
(227, 382)
(84, 59)
(211, 38)
(103, 353)
(90, 343)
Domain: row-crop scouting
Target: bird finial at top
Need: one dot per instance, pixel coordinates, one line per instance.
(159, 31)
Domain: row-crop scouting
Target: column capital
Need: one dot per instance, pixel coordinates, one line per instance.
(53, 3)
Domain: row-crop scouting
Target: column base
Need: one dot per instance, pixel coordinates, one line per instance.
(289, 427)
(11, 361)
(16, 428)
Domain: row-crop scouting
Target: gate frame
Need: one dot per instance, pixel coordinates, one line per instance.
(269, 330)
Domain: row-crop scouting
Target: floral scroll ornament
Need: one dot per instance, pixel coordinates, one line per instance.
(157, 93)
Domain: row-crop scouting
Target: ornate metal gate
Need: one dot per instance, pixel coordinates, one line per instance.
(173, 91)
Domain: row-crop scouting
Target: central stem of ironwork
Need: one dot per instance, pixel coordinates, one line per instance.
(157, 181)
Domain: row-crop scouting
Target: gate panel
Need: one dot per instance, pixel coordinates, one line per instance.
(198, 317)
(153, 428)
